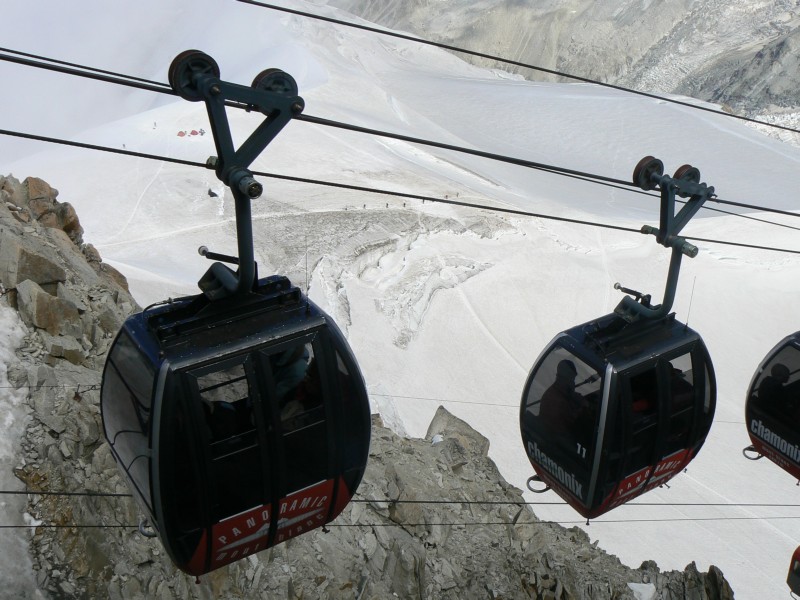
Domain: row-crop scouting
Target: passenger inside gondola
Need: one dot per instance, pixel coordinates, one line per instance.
(561, 404)
(773, 393)
(289, 368)
(302, 401)
(297, 385)
(561, 410)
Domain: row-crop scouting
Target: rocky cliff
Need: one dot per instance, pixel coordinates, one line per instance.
(433, 518)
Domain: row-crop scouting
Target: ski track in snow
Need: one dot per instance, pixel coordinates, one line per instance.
(140, 197)
(488, 334)
(747, 511)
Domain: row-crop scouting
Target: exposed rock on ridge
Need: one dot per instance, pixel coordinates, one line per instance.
(433, 517)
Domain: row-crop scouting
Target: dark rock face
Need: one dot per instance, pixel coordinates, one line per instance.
(433, 518)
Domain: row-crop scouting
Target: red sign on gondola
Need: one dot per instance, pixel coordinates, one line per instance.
(247, 533)
(648, 478)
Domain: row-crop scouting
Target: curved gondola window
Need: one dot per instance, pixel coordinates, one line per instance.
(793, 579)
(296, 373)
(229, 411)
(561, 413)
(126, 410)
(182, 490)
(682, 402)
(356, 429)
(777, 389)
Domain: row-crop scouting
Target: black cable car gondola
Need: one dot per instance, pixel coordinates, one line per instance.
(772, 408)
(621, 404)
(238, 416)
(793, 578)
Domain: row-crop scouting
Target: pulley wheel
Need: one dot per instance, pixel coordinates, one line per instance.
(275, 80)
(642, 174)
(183, 69)
(688, 173)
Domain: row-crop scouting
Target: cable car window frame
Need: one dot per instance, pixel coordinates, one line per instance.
(569, 351)
(321, 349)
(356, 434)
(765, 372)
(257, 435)
(657, 365)
(169, 504)
(135, 443)
(701, 400)
(600, 451)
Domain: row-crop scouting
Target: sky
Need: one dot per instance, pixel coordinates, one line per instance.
(441, 304)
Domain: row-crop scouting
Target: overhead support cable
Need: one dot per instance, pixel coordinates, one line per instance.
(383, 192)
(91, 494)
(55, 61)
(83, 71)
(87, 72)
(509, 523)
(480, 153)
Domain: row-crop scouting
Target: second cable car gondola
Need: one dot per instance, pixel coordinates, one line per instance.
(772, 407)
(239, 416)
(621, 404)
(793, 578)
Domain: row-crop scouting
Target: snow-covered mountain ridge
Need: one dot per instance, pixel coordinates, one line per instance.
(739, 53)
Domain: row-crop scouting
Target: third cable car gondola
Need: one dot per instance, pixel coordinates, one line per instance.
(772, 407)
(793, 578)
(621, 404)
(238, 416)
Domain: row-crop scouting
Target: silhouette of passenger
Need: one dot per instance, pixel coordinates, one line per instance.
(288, 369)
(773, 395)
(561, 405)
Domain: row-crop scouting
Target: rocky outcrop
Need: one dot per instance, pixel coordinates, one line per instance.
(433, 517)
(72, 302)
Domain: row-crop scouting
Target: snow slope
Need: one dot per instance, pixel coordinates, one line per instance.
(442, 305)
(739, 53)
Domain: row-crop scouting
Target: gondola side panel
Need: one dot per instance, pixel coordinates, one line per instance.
(561, 404)
(126, 399)
(793, 578)
(353, 425)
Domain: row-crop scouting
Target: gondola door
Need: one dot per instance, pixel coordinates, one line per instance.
(215, 479)
(665, 412)
(306, 454)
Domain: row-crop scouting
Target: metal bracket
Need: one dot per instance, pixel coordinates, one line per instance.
(649, 175)
(194, 76)
(750, 453)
